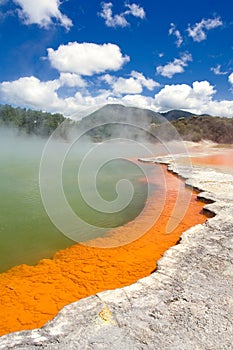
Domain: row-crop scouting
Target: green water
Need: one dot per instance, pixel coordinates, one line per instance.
(26, 232)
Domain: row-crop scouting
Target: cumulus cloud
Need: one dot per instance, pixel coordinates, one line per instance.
(197, 98)
(42, 12)
(132, 85)
(71, 80)
(177, 66)
(127, 86)
(139, 101)
(198, 31)
(119, 20)
(177, 34)
(183, 96)
(149, 83)
(86, 58)
(217, 70)
(107, 78)
(31, 92)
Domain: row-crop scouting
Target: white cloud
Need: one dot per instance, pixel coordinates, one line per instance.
(31, 92)
(198, 31)
(127, 86)
(109, 79)
(203, 90)
(177, 66)
(42, 12)
(135, 10)
(71, 80)
(197, 98)
(183, 96)
(230, 78)
(149, 83)
(110, 20)
(139, 101)
(87, 58)
(217, 70)
(219, 108)
(77, 105)
(176, 33)
(132, 85)
(119, 20)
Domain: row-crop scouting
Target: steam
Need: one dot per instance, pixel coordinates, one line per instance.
(124, 134)
(97, 145)
(16, 146)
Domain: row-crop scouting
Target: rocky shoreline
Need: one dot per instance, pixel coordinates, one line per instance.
(186, 304)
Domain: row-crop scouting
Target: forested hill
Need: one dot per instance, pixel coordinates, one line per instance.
(28, 121)
(197, 128)
(189, 126)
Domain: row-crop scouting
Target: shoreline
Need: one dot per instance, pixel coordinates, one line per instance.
(33, 295)
(185, 304)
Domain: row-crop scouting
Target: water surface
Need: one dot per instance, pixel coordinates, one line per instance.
(26, 232)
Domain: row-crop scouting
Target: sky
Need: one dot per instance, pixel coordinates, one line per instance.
(67, 56)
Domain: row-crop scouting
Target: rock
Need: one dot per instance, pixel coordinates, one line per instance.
(186, 304)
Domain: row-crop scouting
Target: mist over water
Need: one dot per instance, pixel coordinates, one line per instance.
(26, 232)
(70, 189)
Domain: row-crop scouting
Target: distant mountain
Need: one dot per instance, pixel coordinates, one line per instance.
(118, 121)
(176, 114)
(122, 113)
(118, 112)
(187, 125)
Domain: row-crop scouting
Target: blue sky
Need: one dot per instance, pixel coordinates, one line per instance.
(65, 56)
